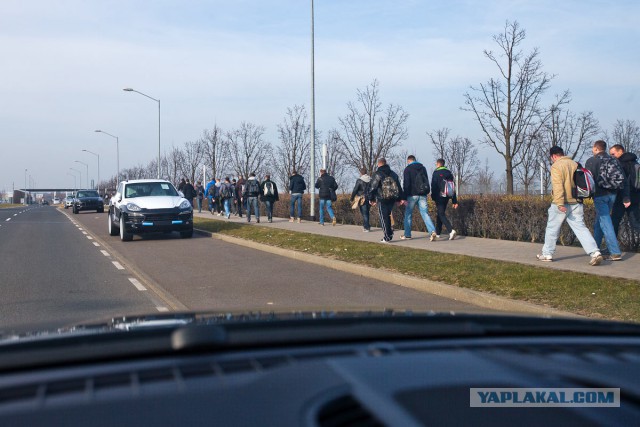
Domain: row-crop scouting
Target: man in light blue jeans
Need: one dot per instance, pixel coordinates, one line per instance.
(411, 202)
(565, 205)
(603, 226)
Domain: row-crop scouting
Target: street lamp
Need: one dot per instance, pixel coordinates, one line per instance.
(98, 156)
(76, 170)
(117, 154)
(313, 125)
(128, 89)
(25, 186)
(75, 184)
(87, 166)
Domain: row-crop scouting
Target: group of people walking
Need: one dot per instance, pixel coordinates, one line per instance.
(384, 191)
(613, 182)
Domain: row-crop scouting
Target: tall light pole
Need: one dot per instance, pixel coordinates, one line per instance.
(98, 156)
(128, 89)
(313, 126)
(87, 166)
(76, 170)
(75, 184)
(117, 154)
(25, 187)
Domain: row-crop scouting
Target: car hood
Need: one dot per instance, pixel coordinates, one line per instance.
(157, 202)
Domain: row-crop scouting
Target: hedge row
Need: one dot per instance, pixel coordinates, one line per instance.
(518, 218)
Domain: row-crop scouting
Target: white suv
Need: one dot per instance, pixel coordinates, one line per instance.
(149, 205)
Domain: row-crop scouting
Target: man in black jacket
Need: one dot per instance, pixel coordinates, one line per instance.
(327, 186)
(627, 200)
(296, 188)
(438, 182)
(384, 192)
(189, 191)
(416, 188)
(269, 195)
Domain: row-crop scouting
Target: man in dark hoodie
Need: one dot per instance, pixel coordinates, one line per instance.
(269, 195)
(416, 188)
(296, 188)
(361, 189)
(438, 183)
(327, 186)
(189, 192)
(384, 192)
(627, 200)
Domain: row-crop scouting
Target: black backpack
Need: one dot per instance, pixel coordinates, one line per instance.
(389, 189)
(610, 175)
(253, 188)
(422, 182)
(268, 188)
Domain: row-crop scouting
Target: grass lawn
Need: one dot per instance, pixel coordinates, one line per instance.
(580, 293)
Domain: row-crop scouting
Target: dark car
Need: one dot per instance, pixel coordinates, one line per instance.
(88, 200)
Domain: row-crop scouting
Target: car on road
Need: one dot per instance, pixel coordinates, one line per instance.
(87, 200)
(149, 205)
(55, 201)
(68, 202)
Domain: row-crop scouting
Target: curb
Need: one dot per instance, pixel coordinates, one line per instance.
(477, 298)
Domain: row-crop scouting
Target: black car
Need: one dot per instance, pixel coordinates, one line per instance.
(87, 200)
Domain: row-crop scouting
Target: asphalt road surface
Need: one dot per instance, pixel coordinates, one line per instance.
(59, 269)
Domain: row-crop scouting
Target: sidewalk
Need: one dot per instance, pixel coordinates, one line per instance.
(565, 258)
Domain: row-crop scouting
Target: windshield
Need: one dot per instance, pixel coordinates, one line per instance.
(416, 156)
(149, 189)
(87, 194)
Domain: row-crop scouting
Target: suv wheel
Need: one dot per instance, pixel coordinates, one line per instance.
(100, 210)
(113, 230)
(75, 210)
(124, 236)
(186, 234)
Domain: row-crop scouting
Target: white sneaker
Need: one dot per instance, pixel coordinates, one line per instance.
(452, 235)
(384, 241)
(365, 230)
(546, 258)
(596, 258)
(433, 236)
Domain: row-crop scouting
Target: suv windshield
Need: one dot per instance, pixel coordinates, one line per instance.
(149, 189)
(87, 194)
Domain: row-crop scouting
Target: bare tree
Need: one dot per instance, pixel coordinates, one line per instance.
(506, 107)
(174, 164)
(527, 161)
(627, 134)
(440, 139)
(294, 151)
(249, 151)
(485, 178)
(217, 155)
(463, 160)
(193, 154)
(368, 131)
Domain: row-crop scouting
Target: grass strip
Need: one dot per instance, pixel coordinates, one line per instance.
(10, 205)
(580, 293)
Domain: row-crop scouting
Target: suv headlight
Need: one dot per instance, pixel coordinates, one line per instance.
(133, 207)
(185, 205)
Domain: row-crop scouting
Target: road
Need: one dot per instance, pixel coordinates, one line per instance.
(59, 269)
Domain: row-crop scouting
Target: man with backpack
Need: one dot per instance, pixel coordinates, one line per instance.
(609, 179)
(442, 189)
(385, 191)
(239, 194)
(251, 193)
(296, 189)
(327, 186)
(565, 206)
(627, 200)
(226, 194)
(416, 188)
(199, 195)
(210, 191)
(269, 195)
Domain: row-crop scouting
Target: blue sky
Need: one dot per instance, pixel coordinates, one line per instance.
(65, 63)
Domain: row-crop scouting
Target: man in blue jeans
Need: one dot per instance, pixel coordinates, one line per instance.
(565, 206)
(296, 188)
(327, 187)
(604, 198)
(415, 190)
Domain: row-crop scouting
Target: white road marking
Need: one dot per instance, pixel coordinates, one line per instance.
(8, 219)
(105, 253)
(162, 309)
(16, 214)
(96, 244)
(118, 265)
(84, 232)
(137, 284)
(79, 228)
(89, 237)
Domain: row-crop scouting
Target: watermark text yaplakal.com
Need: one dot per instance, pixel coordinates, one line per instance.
(544, 397)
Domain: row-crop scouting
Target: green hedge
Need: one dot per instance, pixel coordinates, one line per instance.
(518, 218)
